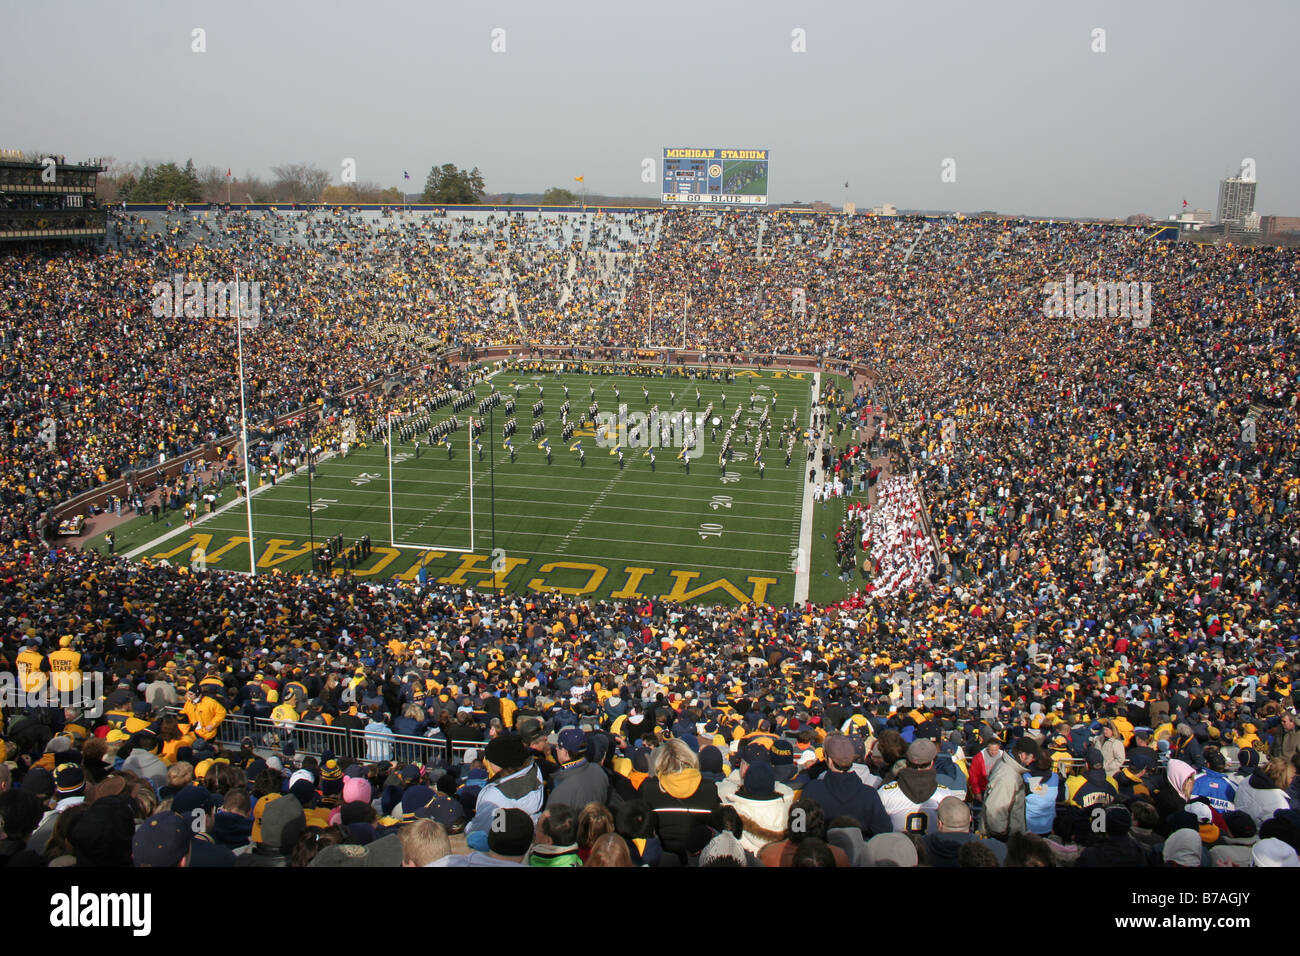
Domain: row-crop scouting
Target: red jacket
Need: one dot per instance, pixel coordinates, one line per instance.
(979, 775)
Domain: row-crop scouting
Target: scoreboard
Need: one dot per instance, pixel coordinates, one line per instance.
(693, 175)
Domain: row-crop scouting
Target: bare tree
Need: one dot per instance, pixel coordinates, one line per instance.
(299, 182)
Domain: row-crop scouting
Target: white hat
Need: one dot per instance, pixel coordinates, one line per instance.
(1273, 852)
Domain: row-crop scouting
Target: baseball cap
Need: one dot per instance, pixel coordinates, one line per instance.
(194, 797)
(921, 752)
(162, 840)
(839, 750)
(573, 740)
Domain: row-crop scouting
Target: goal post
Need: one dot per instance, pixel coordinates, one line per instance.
(395, 461)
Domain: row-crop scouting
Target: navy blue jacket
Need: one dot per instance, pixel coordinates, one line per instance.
(845, 795)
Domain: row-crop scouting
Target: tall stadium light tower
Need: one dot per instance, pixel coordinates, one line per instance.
(243, 432)
(683, 321)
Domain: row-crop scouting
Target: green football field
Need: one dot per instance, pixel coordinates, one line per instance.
(756, 187)
(569, 527)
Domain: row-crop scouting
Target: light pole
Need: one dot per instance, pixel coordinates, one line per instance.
(311, 512)
(492, 468)
(243, 432)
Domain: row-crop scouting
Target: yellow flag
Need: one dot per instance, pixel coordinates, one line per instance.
(578, 179)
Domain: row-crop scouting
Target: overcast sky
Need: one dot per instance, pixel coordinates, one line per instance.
(1036, 121)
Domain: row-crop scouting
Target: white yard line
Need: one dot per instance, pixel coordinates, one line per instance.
(186, 529)
(236, 502)
(801, 578)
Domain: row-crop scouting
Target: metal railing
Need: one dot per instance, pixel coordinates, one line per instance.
(311, 740)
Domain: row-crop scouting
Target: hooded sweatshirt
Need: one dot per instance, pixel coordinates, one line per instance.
(1259, 796)
(1233, 851)
(522, 789)
(844, 794)
(912, 800)
(848, 839)
(680, 800)
(764, 820)
(1169, 797)
(942, 849)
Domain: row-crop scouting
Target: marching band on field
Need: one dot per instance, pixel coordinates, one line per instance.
(661, 427)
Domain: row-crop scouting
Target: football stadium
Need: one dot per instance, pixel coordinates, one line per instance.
(672, 523)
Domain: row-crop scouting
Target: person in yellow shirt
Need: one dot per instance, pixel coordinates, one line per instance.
(285, 714)
(65, 666)
(31, 677)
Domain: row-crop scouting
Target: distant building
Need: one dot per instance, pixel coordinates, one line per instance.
(1192, 220)
(1279, 225)
(806, 207)
(885, 209)
(1236, 200)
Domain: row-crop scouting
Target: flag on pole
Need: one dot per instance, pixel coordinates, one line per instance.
(575, 446)
(1184, 203)
(227, 174)
(614, 450)
(405, 174)
(544, 444)
(579, 179)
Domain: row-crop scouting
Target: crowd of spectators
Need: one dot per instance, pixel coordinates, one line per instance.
(1109, 534)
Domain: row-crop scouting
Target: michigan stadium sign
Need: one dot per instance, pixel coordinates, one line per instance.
(733, 176)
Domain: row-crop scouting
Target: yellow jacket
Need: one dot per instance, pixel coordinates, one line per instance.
(205, 716)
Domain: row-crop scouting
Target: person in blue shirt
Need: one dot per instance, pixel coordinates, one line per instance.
(1213, 783)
